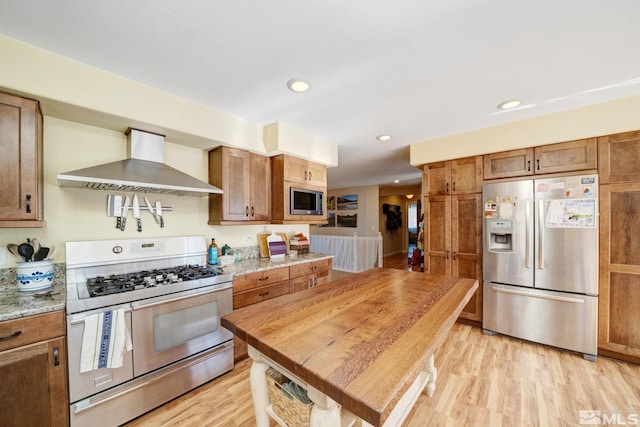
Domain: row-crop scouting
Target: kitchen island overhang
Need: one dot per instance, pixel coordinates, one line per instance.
(362, 341)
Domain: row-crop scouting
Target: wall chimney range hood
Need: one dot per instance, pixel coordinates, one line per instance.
(144, 171)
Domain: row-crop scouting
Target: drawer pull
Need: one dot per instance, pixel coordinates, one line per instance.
(315, 267)
(264, 278)
(8, 337)
(264, 294)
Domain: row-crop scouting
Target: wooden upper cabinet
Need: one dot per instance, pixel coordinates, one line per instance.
(20, 162)
(291, 172)
(566, 156)
(304, 172)
(508, 164)
(619, 157)
(245, 179)
(563, 157)
(460, 176)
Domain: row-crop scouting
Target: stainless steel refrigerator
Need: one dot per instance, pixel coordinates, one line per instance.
(540, 261)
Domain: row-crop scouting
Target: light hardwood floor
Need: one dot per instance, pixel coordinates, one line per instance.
(482, 381)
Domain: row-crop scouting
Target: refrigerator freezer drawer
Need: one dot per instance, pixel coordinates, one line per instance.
(557, 319)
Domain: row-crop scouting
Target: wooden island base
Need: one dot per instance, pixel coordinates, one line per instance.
(326, 412)
(361, 346)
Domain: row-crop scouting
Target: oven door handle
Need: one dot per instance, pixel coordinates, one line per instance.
(78, 321)
(137, 305)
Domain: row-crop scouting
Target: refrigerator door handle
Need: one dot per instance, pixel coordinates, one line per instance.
(543, 296)
(541, 235)
(527, 237)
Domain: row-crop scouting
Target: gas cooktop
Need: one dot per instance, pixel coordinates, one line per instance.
(110, 273)
(116, 283)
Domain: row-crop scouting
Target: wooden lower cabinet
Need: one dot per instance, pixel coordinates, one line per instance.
(260, 286)
(33, 371)
(619, 295)
(453, 242)
(310, 274)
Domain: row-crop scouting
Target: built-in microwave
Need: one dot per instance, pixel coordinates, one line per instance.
(306, 202)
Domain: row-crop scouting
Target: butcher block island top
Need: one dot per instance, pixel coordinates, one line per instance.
(362, 341)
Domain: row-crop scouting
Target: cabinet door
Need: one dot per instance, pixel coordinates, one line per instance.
(619, 296)
(466, 244)
(436, 178)
(507, 164)
(34, 385)
(619, 157)
(20, 163)
(302, 171)
(437, 250)
(566, 156)
(230, 170)
(260, 200)
(466, 175)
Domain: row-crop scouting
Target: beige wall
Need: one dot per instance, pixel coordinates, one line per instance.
(602, 119)
(78, 214)
(367, 213)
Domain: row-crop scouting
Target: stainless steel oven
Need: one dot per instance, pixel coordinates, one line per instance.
(172, 304)
(170, 328)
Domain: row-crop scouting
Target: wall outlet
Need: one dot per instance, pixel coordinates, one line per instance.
(247, 239)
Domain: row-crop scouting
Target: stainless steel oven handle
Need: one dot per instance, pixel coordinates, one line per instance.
(138, 305)
(222, 348)
(78, 321)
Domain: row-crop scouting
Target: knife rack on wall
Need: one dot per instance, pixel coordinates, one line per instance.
(115, 206)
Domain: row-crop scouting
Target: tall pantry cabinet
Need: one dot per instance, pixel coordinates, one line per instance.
(619, 300)
(452, 193)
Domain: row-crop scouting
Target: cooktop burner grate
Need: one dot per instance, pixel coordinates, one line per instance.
(101, 285)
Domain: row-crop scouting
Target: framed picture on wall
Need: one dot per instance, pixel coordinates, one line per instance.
(347, 220)
(347, 203)
(331, 203)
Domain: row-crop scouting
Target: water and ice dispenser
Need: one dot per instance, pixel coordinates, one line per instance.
(501, 235)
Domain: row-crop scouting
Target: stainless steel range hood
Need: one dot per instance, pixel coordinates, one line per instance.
(143, 171)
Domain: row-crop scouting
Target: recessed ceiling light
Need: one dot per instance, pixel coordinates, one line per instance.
(507, 105)
(299, 85)
(383, 137)
(396, 181)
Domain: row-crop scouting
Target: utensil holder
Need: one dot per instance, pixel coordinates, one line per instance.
(34, 276)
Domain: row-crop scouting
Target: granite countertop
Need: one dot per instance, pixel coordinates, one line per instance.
(253, 265)
(15, 304)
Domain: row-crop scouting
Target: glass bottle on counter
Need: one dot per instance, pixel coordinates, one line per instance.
(212, 253)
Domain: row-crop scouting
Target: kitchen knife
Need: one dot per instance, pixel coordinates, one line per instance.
(155, 217)
(125, 211)
(136, 211)
(159, 213)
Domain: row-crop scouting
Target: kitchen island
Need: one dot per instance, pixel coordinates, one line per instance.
(361, 346)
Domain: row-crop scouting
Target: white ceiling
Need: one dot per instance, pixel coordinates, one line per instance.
(415, 69)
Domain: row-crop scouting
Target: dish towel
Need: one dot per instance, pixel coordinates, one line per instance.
(105, 341)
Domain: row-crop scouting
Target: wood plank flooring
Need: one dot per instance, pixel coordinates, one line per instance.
(482, 381)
